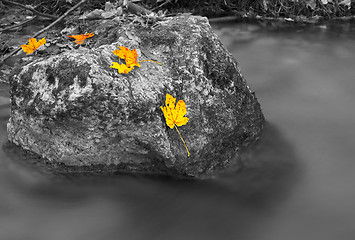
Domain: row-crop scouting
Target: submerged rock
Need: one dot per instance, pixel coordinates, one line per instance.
(72, 108)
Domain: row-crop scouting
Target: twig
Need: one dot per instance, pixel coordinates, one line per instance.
(44, 29)
(31, 9)
(18, 25)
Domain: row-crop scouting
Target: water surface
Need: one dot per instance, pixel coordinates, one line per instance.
(297, 184)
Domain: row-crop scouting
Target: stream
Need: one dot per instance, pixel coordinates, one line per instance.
(297, 183)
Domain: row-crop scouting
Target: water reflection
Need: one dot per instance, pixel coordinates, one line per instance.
(60, 204)
(304, 79)
(296, 183)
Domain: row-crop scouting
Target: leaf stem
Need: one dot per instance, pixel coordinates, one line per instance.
(188, 153)
(150, 61)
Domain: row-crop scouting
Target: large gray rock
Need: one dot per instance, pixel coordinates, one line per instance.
(72, 108)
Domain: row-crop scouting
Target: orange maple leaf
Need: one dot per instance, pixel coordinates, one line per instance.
(130, 57)
(174, 116)
(122, 68)
(33, 45)
(79, 39)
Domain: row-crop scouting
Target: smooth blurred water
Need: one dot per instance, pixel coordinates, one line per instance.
(297, 184)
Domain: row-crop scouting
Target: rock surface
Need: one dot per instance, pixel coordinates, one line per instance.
(74, 109)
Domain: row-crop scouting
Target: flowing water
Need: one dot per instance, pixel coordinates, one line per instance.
(297, 184)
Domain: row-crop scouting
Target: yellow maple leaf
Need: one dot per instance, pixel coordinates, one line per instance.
(174, 115)
(79, 39)
(122, 68)
(33, 45)
(130, 56)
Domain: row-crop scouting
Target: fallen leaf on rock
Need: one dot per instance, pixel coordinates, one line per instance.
(130, 57)
(174, 115)
(122, 68)
(33, 45)
(79, 39)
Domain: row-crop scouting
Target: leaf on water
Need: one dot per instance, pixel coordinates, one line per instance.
(79, 39)
(33, 45)
(174, 115)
